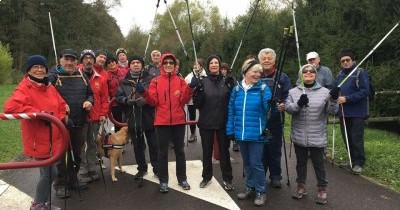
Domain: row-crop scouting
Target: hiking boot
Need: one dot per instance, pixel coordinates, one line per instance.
(85, 178)
(192, 138)
(322, 196)
(235, 146)
(163, 187)
(300, 192)
(204, 183)
(246, 194)
(94, 175)
(140, 175)
(260, 199)
(81, 186)
(276, 183)
(62, 193)
(185, 185)
(228, 186)
(357, 170)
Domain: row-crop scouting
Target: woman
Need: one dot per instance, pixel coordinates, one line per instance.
(35, 94)
(309, 107)
(211, 100)
(248, 105)
(169, 93)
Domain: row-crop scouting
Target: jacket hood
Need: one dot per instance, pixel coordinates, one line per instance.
(163, 57)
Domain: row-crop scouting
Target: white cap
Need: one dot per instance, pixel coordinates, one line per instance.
(312, 55)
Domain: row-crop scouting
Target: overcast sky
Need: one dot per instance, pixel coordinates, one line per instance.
(141, 12)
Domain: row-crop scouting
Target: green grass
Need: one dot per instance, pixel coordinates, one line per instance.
(10, 132)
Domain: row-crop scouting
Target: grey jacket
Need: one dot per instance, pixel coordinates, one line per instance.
(309, 124)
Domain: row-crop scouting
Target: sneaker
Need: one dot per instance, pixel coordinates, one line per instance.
(322, 196)
(276, 183)
(246, 194)
(140, 175)
(357, 170)
(163, 187)
(192, 138)
(204, 183)
(62, 193)
(228, 186)
(260, 199)
(300, 192)
(94, 175)
(235, 146)
(185, 185)
(85, 178)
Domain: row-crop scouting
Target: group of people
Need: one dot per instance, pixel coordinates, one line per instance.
(152, 99)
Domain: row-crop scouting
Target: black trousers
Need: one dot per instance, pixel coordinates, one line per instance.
(192, 116)
(355, 134)
(139, 147)
(207, 141)
(317, 158)
(67, 170)
(117, 112)
(175, 134)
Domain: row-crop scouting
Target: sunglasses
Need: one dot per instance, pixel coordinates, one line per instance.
(305, 71)
(345, 60)
(168, 62)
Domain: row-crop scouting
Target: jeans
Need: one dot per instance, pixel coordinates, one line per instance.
(317, 158)
(207, 142)
(253, 166)
(273, 153)
(43, 186)
(355, 134)
(88, 156)
(175, 134)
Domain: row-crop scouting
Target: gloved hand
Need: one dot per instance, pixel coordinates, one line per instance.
(230, 137)
(194, 82)
(335, 93)
(303, 100)
(140, 102)
(140, 88)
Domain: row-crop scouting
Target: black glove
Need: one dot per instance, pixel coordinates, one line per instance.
(140, 102)
(230, 137)
(229, 82)
(335, 93)
(194, 82)
(303, 100)
(140, 88)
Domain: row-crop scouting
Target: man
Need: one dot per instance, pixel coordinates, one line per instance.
(97, 115)
(324, 74)
(122, 57)
(354, 103)
(140, 115)
(100, 64)
(272, 151)
(74, 87)
(154, 67)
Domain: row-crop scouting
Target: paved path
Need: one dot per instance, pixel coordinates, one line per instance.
(345, 191)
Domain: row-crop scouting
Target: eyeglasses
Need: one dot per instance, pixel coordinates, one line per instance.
(311, 59)
(345, 60)
(305, 71)
(168, 62)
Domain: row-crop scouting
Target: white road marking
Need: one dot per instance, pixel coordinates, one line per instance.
(213, 193)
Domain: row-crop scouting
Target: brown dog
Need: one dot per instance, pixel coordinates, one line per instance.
(117, 139)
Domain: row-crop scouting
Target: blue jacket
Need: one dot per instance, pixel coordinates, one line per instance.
(247, 113)
(356, 94)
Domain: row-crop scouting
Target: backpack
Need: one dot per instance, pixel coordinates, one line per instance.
(371, 95)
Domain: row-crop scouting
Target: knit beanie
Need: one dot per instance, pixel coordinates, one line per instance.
(87, 52)
(36, 60)
(136, 57)
(347, 52)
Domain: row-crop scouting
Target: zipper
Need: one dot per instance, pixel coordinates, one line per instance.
(169, 95)
(244, 112)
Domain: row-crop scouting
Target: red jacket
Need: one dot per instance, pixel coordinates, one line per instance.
(30, 96)
(99, 87)
(168, 93)
(114, 77)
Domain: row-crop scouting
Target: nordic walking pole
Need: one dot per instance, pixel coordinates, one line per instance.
(101, 128)
(284, 150)
(176, 29)
(52, 38)
(333, 139)
(191, 31)
(151, 29)
(296, 36)
(370, 52)
(346, 136)
(244, 34)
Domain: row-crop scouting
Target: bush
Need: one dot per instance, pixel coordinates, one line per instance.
(5, 63)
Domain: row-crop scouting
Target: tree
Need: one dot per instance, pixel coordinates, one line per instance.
(5, 63)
